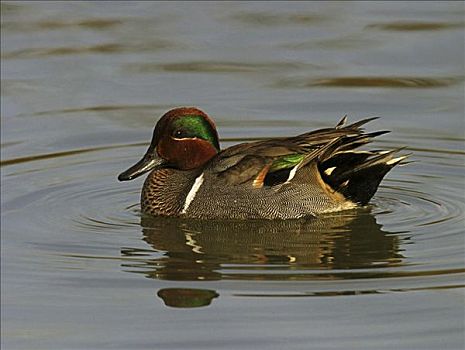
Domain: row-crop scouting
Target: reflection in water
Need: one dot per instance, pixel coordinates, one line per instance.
(187, 297)
(266, 250)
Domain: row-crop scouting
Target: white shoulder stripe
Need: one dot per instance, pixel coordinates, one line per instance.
(292, 173)
(191, 195)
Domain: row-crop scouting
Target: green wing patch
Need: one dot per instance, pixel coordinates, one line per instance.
(286, 162)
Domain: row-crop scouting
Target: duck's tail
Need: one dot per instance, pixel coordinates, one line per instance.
(357, 174)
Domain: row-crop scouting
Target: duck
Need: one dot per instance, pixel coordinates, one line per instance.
(307, 175)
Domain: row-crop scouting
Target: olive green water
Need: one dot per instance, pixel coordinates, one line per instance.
(82, 86)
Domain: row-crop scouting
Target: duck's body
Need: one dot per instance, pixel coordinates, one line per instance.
(284, 178)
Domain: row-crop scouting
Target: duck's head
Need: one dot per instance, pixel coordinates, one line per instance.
(184, 138)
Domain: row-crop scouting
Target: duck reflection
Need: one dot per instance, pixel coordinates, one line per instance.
(187, 297)
(266, 250)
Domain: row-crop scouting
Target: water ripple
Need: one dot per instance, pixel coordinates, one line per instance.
(409, 26)
(107, 48)
(273, 19)
(374, 81)
(90, 23)
(219, 67)
(390, 239)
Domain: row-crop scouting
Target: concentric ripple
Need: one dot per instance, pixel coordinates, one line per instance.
(89, 202)
(413, 229)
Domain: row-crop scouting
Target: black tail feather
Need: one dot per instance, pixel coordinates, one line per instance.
(357, 174)
(360, 186)
(354, 173)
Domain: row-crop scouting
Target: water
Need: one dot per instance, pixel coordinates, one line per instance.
(82, 86)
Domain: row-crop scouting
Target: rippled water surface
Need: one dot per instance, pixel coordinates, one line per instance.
(82, 86)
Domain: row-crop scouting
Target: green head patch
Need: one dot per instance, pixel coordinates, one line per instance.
(195, 126)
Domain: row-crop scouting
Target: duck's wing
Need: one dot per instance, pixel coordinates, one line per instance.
(274, 162)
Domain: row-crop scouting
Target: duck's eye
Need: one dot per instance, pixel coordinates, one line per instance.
(181, 134)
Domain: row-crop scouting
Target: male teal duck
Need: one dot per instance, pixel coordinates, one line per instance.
(284, 178)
